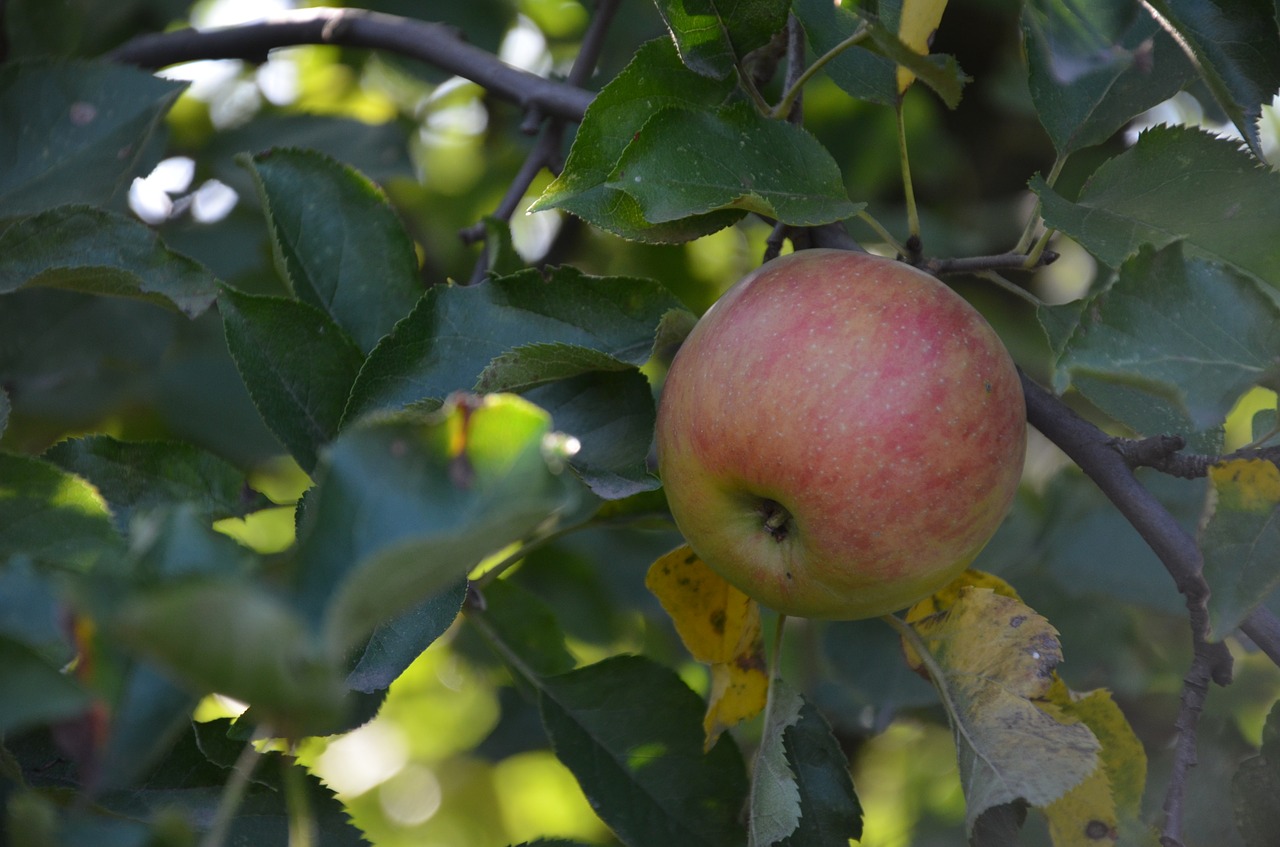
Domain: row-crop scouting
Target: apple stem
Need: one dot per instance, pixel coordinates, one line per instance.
(777, 520)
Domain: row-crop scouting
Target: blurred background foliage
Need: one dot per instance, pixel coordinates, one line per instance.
(457, 758)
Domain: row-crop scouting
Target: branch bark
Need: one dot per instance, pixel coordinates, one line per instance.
(432, 43)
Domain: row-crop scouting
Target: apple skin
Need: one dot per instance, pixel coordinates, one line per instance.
(840, 435)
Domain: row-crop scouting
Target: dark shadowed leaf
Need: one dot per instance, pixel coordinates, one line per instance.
(34, 691)
(631, 732)
(686, 162)
(655, 79)
(237, 639)
(337, 241)
(1240, 538)
(298, 365)
(192, 776)
(941, 73)
(1237, 48)
(524, 631)
(801, 791)
(404, 508)
(450, 339)
(1256, 785)
(861, 73)
(98, 252)
(714, 36)
(1189, 335)
(82, 130)
(1177, 184)
(611, 414)
(149, 713)
(395, 644)
(1094, 65)
(137, 476)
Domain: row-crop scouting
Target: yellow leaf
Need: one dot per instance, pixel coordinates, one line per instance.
(990, 656)
(720, 626)
(917, 23)
(1107, 802)
(944, 598)
(1246, 485)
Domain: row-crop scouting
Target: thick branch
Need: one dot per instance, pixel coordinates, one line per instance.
(433, 43)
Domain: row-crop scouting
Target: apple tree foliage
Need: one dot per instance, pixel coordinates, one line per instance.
(296, 450)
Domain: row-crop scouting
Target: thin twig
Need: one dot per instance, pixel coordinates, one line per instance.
(1195, 690)
(234, 790)
(795, 69)
(1163, 453)
(998, 262)
(433, 43)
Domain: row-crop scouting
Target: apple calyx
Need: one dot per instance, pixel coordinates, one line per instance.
(777, 520)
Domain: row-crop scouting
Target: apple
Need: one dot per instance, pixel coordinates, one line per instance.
(840, 435)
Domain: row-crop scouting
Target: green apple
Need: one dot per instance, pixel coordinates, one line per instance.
(840, 435)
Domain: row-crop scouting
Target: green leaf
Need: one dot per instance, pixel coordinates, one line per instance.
(801, 792)
(655, 79)
(1256, 785)
(32, 691)
(137, 476)
(1240, 539)
(337, 241)
(84, 127)
(1094, 65)
(236, 639)
(448, 342)
(404, 508)
(190, 781)
(612, 415)
(684, 162)
(395, 644)
(1177, 184)
(992, 663)
(52, 517)
(631, 732)
(1187, 335)
(98, 252)
(1236, 46)
(298, 365)
(147, 716)
(525, 631)
(5, 408)
(860, 73)
(531, 365)
(177, 541)
(714, 36)
(939, 72)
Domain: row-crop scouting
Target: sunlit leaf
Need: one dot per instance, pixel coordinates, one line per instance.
(714, 36)
(655, 79)
(83, 132)
(1143, 196)
(1237, 49)
(1191, 336)
(135, 476)
(940, 72)
(337, 241)
(801, 791)
(720, 627)
(1240, 538)
(990, 657)
(52, 516)
(639, 759)
(1094, 65)
(405, 507)
(685, 162)
(100, 252)
(298, 365)
(1256, 785)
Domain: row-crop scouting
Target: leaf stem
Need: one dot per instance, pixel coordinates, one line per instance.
(1024, 241)
(784, 105)
(908, 191)
(1006, 285)
(233, 792)
(870, 221)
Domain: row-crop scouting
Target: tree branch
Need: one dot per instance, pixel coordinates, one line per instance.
(1002, 261)
(1163, 453)
(428, 42)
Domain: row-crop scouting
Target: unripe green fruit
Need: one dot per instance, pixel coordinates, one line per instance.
(840, 435)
